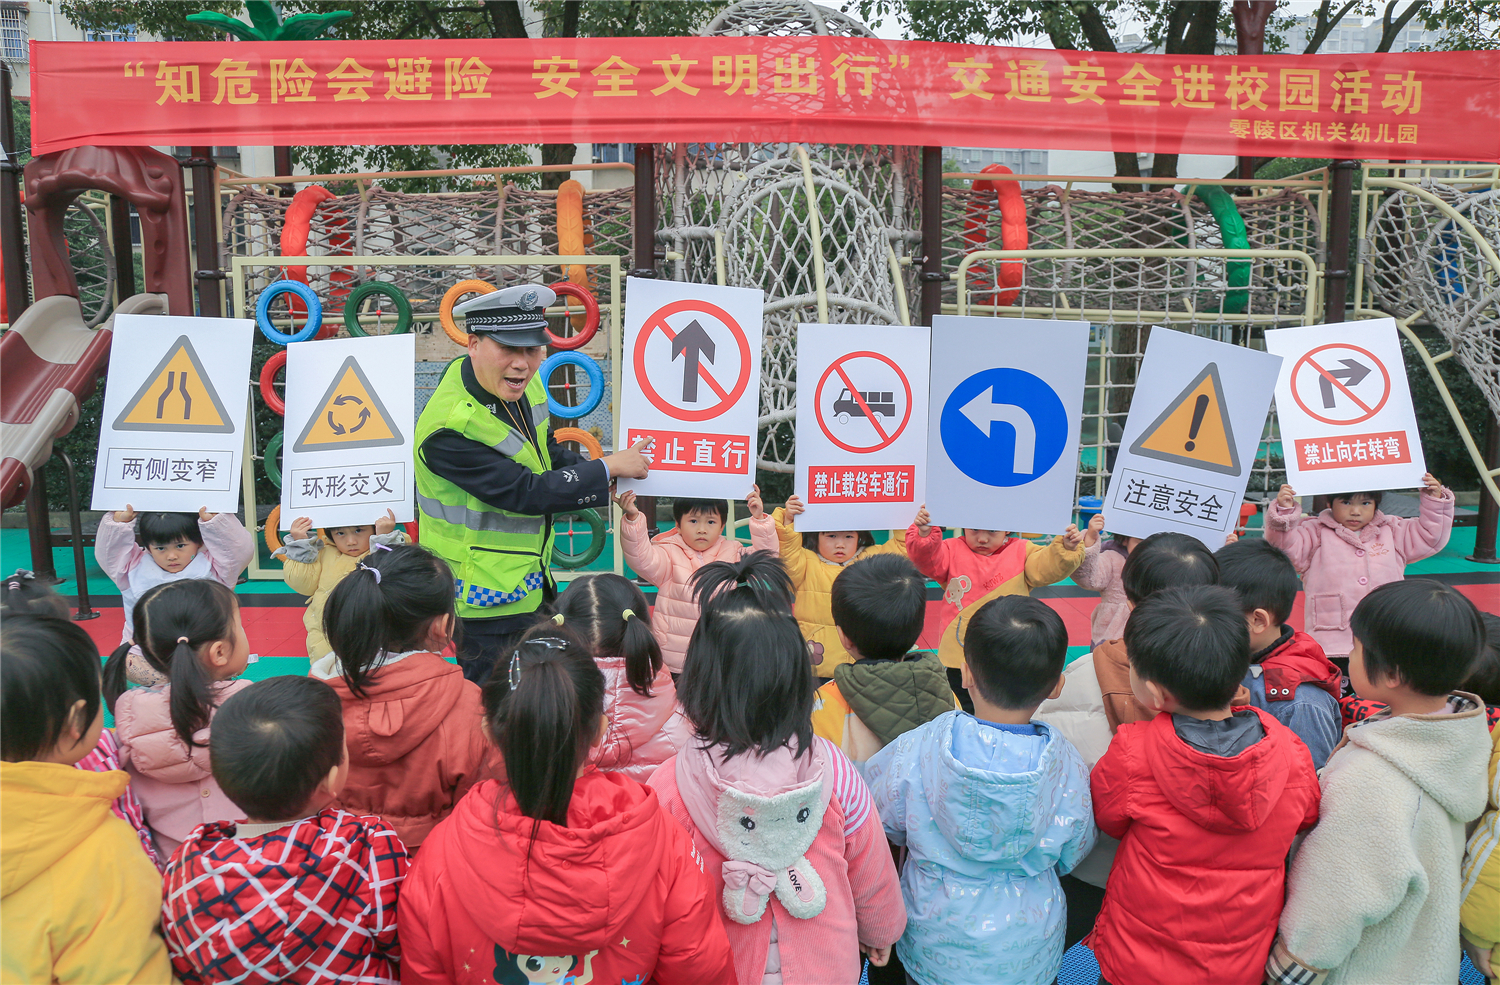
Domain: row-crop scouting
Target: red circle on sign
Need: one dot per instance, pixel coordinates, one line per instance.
(658, 321)
(1307, 358)
(818, 402)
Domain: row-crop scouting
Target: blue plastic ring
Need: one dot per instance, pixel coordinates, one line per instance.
(263, 312)
(589, 366)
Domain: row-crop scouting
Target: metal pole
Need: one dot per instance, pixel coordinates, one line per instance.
(120, 242)
(205, 232)
(39, 526)
(645, 211)
(12, 229)
(282, 157)
(1489, 510)
(1336, 272)
(932, 233)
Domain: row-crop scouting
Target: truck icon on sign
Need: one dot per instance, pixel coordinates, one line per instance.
(846, 406)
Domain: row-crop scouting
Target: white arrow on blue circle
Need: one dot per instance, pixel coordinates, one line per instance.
(983, 412)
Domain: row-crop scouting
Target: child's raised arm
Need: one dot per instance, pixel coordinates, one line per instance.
(924, 545)
(1059, 559)
(115, 548)
(1428, 532)
(227, 543)
(762, 527)
(301, 557)
(793, 554)
(648, 560)
(1287, 529)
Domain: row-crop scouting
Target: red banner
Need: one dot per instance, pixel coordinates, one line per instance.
(1424, 106)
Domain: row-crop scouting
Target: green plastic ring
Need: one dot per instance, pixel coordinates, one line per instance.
(352, 303)
(564, 559)
(273, 448)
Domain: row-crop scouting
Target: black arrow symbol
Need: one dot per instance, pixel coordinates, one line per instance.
(692, 343)
(364, 415)
(334, 425)
(1352, 373)
(345, 398)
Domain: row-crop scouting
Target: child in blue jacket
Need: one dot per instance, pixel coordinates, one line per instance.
(992, 808)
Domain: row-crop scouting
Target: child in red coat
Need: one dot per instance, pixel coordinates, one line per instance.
(1204, 798)
(299, 891)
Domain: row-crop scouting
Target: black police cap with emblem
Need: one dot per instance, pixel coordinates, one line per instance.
(511, 316)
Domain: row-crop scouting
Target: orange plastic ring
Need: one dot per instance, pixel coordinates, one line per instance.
(588, 441)
(268, 373)
(273, 522)
(567, 289)
(445, 310)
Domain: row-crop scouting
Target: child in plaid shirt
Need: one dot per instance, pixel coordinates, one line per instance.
(299, 891)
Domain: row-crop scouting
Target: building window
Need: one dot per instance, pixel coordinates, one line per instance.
(614, 153)
(13, 33)
(126, 33)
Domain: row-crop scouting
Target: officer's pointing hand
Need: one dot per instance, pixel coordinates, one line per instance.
(630, 463)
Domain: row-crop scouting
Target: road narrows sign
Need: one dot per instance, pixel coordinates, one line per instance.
(176, 396)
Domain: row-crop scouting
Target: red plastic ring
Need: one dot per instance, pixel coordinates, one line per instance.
(268, 373)
(411, 530)
(568, 289)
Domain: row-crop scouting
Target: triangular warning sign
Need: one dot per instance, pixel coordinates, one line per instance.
(1194, 430)
(349, 415)
(177, 396)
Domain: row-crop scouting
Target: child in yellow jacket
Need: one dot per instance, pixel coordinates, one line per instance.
(1479, 917)
(81, 901)
(313, 567)
(814, 560)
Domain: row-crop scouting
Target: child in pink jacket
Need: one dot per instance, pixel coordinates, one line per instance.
(646, 727)
(192, 635)
(1350, 549)
(1103, 561)
(785, 826)
(141, 551)
(669, 559)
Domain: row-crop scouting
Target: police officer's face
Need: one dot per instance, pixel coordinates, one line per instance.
(504, 370)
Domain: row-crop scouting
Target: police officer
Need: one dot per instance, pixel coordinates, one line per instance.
(490, 475)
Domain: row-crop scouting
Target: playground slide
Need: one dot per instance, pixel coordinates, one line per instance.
(50, 362)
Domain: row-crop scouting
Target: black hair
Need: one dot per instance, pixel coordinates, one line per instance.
(682, 507)
(173, 621)
(507, 972)
(24, 592)
(1193, 642)
(866, 539)
(47, 665)
(1423, 632)
(880, 604)
(1164, 560)
(385, 604)
(595, 606)
(1484, 676)
(155, 529)
(747, 680)
(542, 706)
(1261, 575)
(1376, 495)
(274, 742)
(1016, 648)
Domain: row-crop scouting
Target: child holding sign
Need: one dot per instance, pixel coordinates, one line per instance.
(1351, 549)
(669, 560)
(313, 567)
(140, 551)
(814, 560)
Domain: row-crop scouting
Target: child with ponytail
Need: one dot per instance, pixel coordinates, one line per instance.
(640, 701)
(563, 872)
(413, 724)
(785, 825)
(189, 633)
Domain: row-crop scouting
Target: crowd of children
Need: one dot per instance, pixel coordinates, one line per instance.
(764, 780)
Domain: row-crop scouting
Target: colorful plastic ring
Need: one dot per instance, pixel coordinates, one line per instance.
(564, 559)
(445, 310)
(268, 373)
(273, 536)
(411, 530)
(568, 289)
(369, 287)
(273, 448)
(308, 297)
(588, 441)
(589, 366)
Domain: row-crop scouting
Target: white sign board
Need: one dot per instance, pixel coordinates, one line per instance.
(1189, 445)
(1005, 411)
(347, 457)
(1346, 416)
(691, 383)
(172, 435)
(861, 425)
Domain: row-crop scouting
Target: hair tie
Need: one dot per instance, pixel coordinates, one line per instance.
(558, 619)
(515, 669)
(183, 639)
(14, 586)
(373, 571)
(627, 614)
(380, 547)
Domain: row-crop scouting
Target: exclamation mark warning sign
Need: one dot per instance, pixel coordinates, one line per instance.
(1194, 428)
